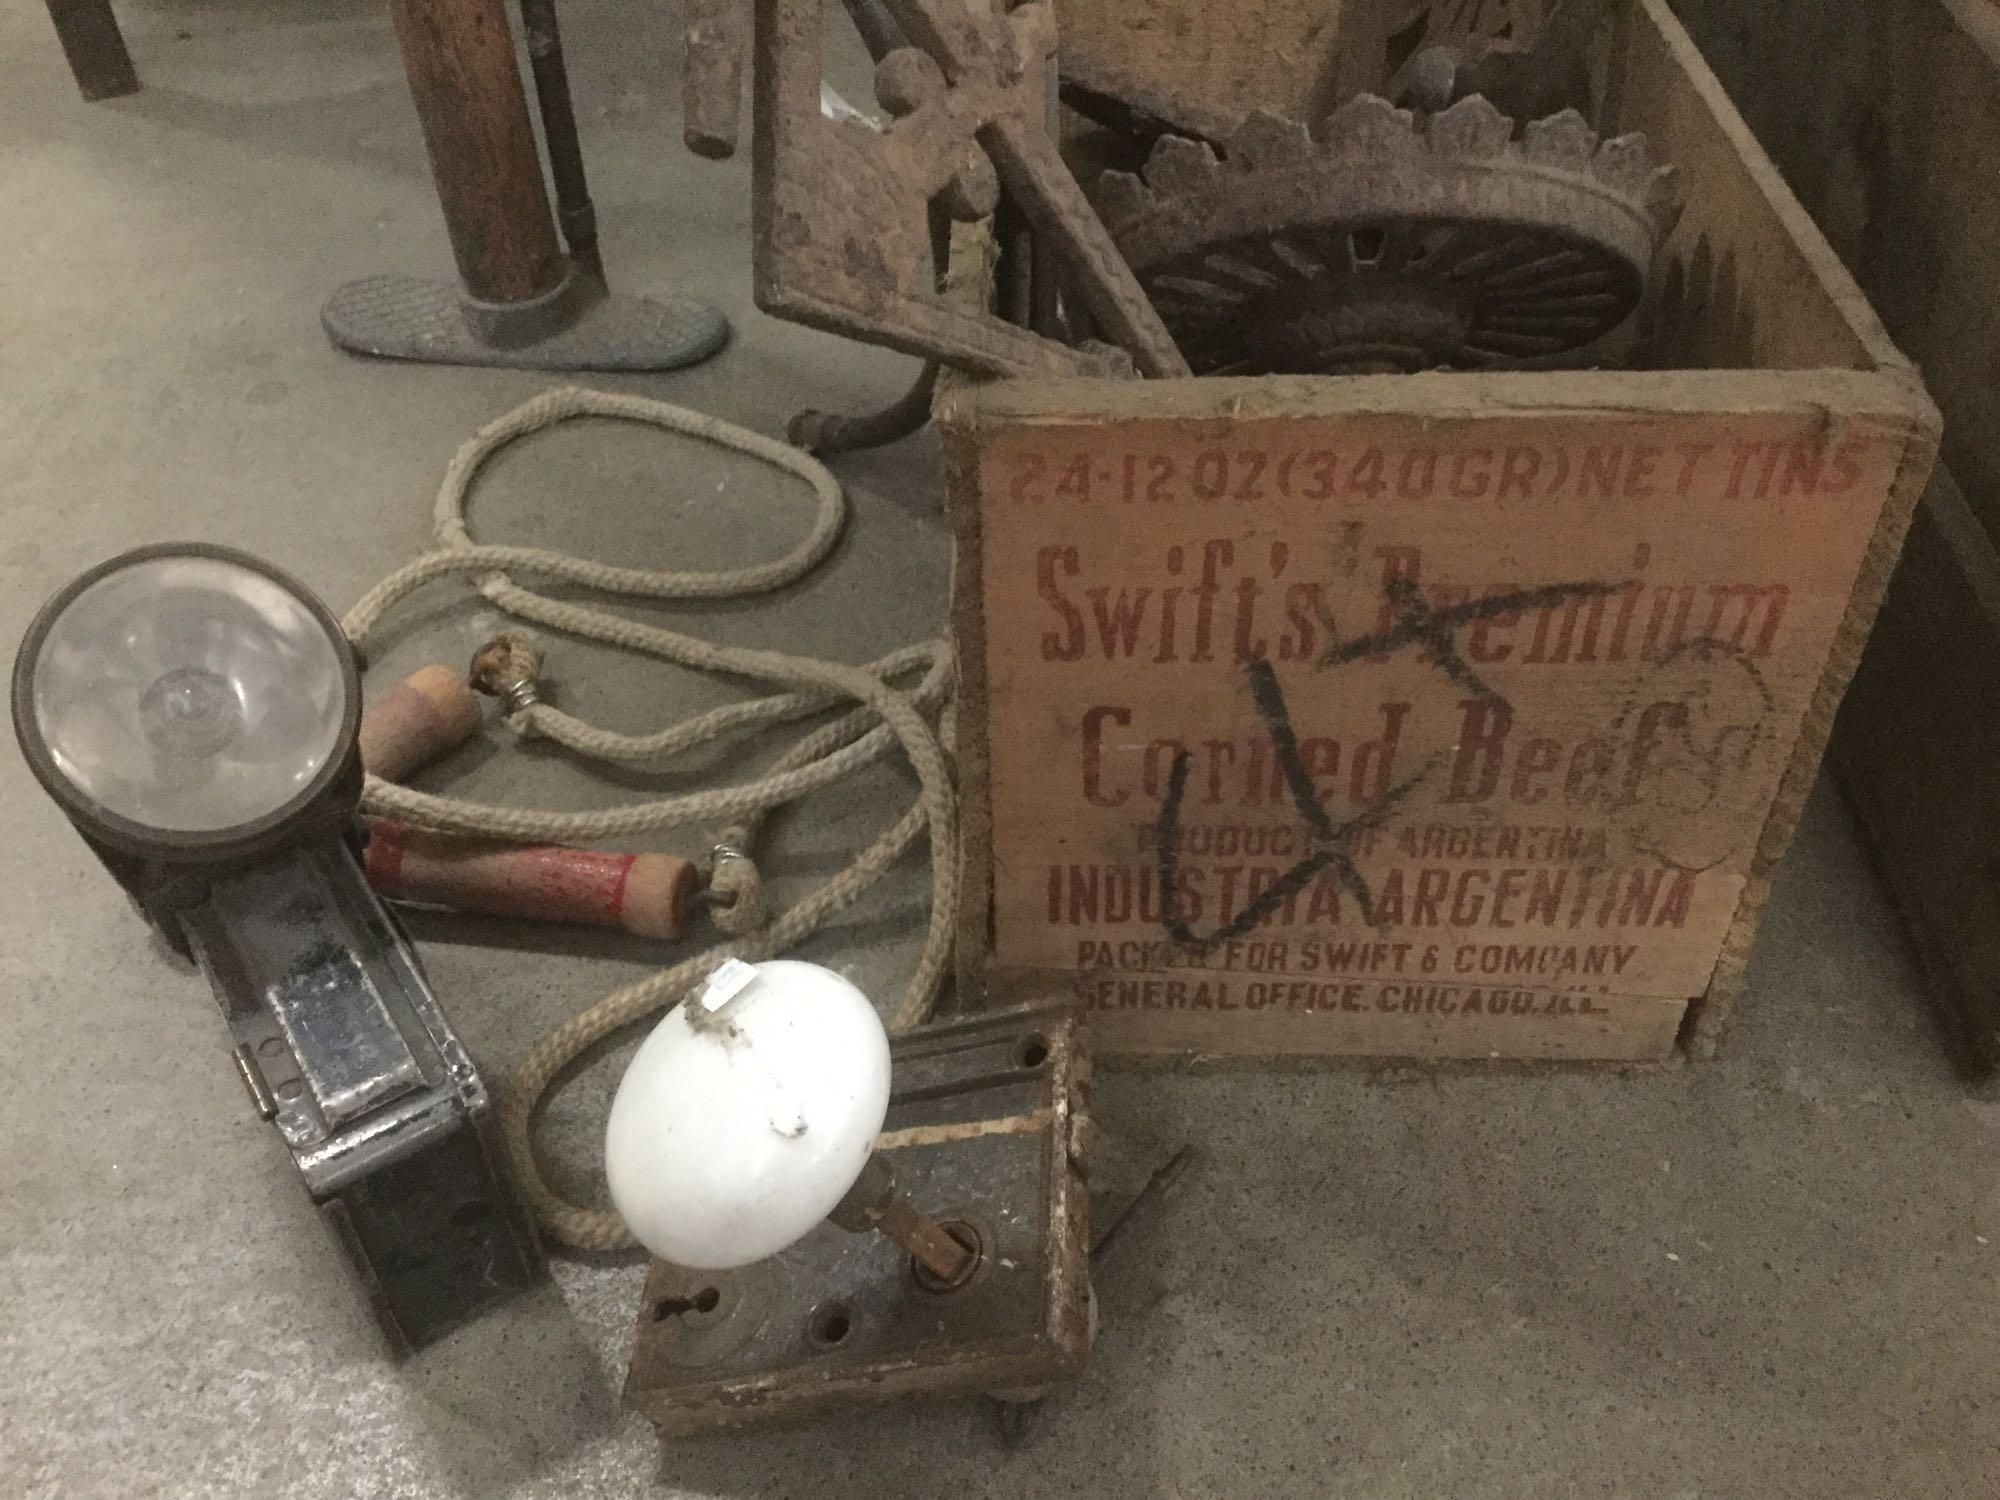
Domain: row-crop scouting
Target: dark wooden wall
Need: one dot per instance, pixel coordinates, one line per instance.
(1884, 115)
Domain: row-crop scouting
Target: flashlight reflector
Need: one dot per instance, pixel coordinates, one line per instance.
(185, 693)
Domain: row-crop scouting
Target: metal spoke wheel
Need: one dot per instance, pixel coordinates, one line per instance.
(1387, 247)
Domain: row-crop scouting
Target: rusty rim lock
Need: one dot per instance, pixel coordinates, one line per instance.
(986, 1126)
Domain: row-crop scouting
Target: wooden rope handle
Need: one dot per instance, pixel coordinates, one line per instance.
(420, 719)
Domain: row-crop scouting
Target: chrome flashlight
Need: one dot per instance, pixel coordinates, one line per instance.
(195, 713)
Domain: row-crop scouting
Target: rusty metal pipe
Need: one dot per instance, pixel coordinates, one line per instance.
(573, 206)
(825, 432)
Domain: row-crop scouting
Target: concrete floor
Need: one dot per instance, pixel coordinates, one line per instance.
(1770, 1275)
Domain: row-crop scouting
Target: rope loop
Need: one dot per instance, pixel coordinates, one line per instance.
(884, 717)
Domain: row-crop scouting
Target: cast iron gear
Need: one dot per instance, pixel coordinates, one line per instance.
(1388, 246)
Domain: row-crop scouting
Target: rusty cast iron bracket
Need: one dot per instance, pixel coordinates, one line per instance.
(841, 210)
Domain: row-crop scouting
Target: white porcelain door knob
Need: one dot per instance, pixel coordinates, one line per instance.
(747, 1114)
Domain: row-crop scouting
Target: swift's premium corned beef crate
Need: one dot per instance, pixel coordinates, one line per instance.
(1449, 715)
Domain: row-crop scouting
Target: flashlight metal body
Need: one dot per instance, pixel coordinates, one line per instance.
(344, 1048)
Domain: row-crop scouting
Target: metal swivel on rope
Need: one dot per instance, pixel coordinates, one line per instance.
(734, 894)
(506, 668)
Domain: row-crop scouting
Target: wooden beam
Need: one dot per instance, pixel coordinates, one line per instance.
(95, 48)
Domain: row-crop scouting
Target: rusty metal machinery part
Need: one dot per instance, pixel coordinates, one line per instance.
(840, 210)
(1138, 108)
(1377, 40)
(1482, 23)
(824, 432)
(1467, 46)
(1534, 64)
(1388, 246)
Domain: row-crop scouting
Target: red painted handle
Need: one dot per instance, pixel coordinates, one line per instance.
(643, 893)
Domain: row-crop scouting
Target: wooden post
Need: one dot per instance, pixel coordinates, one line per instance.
(96, 51)
(460, 58)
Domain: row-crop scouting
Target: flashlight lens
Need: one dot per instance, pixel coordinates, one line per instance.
(189, 694)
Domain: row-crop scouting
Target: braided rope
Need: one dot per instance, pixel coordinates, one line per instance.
(886, 718)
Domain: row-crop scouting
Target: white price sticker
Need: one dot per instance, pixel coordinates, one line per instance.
(726, 983)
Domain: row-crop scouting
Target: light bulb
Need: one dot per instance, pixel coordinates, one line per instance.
(184, 694)
(747, 1114)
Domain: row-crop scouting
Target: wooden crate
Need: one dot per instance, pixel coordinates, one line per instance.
(1446, 716)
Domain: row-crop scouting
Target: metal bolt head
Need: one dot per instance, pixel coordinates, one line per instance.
(906, 80)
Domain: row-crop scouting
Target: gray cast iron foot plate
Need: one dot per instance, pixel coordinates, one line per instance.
(409, 317)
